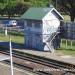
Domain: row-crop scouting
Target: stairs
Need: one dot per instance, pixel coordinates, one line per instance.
(51, 49)
(49, 40)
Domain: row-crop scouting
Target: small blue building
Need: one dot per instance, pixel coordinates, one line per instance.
(41, 27)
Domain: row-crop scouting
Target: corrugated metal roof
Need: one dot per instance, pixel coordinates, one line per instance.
(35, 13)
(39, 13)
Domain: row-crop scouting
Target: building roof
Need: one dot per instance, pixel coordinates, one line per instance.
(37, 13)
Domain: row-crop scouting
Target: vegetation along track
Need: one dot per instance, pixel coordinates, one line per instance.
(40, 65)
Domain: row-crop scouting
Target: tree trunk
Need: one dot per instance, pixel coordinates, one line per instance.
(72, 14)
(72, 18)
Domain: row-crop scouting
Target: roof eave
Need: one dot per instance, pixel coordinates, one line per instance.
(58, 13)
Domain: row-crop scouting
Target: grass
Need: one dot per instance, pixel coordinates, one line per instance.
(16, 37)
(67, 50)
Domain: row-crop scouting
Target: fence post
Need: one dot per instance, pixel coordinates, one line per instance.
(61, 43)
(6, 31)
(66, 43)
(71, 44)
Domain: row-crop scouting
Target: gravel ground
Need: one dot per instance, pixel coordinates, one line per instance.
(5, 70)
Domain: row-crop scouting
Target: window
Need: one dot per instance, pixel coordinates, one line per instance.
(25, 23)
(38, 25)
(29, 23)
(33, 24)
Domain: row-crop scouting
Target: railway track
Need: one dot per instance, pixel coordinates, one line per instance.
(41, 66)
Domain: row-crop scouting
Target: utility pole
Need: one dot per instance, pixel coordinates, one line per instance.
(11, 59)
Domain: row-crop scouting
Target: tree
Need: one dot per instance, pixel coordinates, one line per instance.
(12, 7)
(68, 6)
(2, 1)
(39, 3)
(6, 7)
(20, 8)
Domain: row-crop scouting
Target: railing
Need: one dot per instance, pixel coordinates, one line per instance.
(68, 35)
(49, 41)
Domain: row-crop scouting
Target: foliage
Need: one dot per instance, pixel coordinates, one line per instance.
(18, 7)
(39, 3)
(17, 37)
(3, 1)
(68, 6)
(13, 7)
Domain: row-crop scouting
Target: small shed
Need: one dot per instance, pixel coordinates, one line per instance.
(41, 27)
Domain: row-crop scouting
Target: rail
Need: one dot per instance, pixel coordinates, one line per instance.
(46, 63)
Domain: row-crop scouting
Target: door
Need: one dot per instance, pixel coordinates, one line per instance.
(38, 42)
(30, 41)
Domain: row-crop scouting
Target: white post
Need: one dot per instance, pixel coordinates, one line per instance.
(11, 56)
(66, 43)
(61, 43)
(71, 44)
(6, 32)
